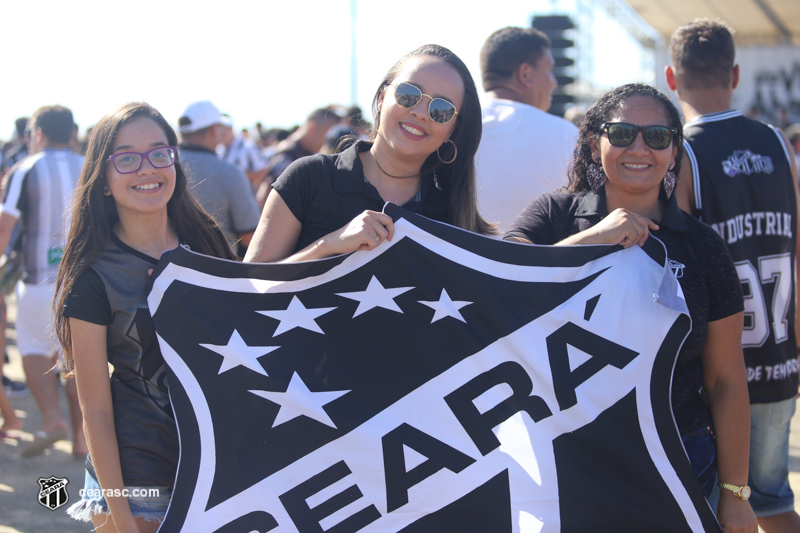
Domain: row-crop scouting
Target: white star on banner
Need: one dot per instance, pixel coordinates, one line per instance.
(239, 353)
(446, 307)
(375, 296)
(299, 401)
(297, 315)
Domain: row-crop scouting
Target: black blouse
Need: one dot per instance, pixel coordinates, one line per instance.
(326, 192)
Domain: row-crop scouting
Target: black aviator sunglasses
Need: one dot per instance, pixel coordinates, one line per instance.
(622, 134)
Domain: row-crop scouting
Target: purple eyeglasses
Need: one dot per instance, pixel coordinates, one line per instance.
(127, 162)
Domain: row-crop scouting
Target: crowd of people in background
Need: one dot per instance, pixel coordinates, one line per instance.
(254, 152)
(503, 167)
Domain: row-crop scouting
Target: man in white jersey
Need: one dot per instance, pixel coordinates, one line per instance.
(37, 196)
(524, 150)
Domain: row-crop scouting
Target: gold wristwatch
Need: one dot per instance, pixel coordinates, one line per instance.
(743, 492)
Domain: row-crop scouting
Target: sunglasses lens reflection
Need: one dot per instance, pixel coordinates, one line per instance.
(407, 95)
(621, 134)
(441, 111)
(657, 137)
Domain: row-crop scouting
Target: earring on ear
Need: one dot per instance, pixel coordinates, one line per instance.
(455, 152)
(669, 181)
(595, 175)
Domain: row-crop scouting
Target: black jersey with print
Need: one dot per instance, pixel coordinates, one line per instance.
(744, 189)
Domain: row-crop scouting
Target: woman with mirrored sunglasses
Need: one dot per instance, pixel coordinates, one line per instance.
(620, 191)
(420, 156)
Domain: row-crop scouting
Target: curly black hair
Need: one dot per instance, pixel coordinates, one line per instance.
(601, 112)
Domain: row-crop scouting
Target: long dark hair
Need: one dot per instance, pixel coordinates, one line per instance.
(456, 179)
(94, 214)
(601, 112)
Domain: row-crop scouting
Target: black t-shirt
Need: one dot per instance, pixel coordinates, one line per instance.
(112, 292)
(698, 257)
(326, 192)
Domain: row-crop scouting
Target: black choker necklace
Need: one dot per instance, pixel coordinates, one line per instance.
(392, 175)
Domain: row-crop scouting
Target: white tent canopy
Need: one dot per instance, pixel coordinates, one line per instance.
(757, 22)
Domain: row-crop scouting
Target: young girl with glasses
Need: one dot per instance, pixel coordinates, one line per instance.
(131, 205)
(421, 156)
(620, 191)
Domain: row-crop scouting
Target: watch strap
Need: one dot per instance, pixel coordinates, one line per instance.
(738, 491)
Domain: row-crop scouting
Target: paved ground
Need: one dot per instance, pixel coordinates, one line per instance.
(20, 511)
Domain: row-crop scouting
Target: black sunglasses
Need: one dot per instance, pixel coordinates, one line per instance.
(440, 110)
(622, 134)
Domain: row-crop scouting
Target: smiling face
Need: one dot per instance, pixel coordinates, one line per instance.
(148, 189)
(410, 131)
(637, 168)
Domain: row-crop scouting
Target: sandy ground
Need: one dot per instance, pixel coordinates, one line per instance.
(20, 511)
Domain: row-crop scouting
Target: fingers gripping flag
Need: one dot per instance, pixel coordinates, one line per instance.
(441, 382)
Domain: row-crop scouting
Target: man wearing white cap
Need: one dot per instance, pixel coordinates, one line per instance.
(222, 189)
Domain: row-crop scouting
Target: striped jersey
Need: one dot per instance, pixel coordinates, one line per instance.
(744, 190)
(38, 193)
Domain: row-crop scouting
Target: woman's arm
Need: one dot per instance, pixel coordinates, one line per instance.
(278, 231)
(276, 234)
(618, 227)
(725, 385)
(94, 394)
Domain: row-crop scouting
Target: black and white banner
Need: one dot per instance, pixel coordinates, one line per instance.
(441, 382)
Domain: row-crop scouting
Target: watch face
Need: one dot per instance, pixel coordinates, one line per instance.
(745, 492)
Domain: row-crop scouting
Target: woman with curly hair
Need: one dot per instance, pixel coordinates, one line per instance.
(620, 192)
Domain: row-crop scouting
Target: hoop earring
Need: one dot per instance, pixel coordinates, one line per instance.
(455, 152)
(669, 182)
(596, 176)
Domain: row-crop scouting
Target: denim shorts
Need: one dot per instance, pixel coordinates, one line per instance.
(150, 507)
(769, 457)
(701, 448)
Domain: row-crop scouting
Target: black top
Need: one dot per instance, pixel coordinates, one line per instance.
(698, 257)
(112, 292)
(744, 189)
(326, 192)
